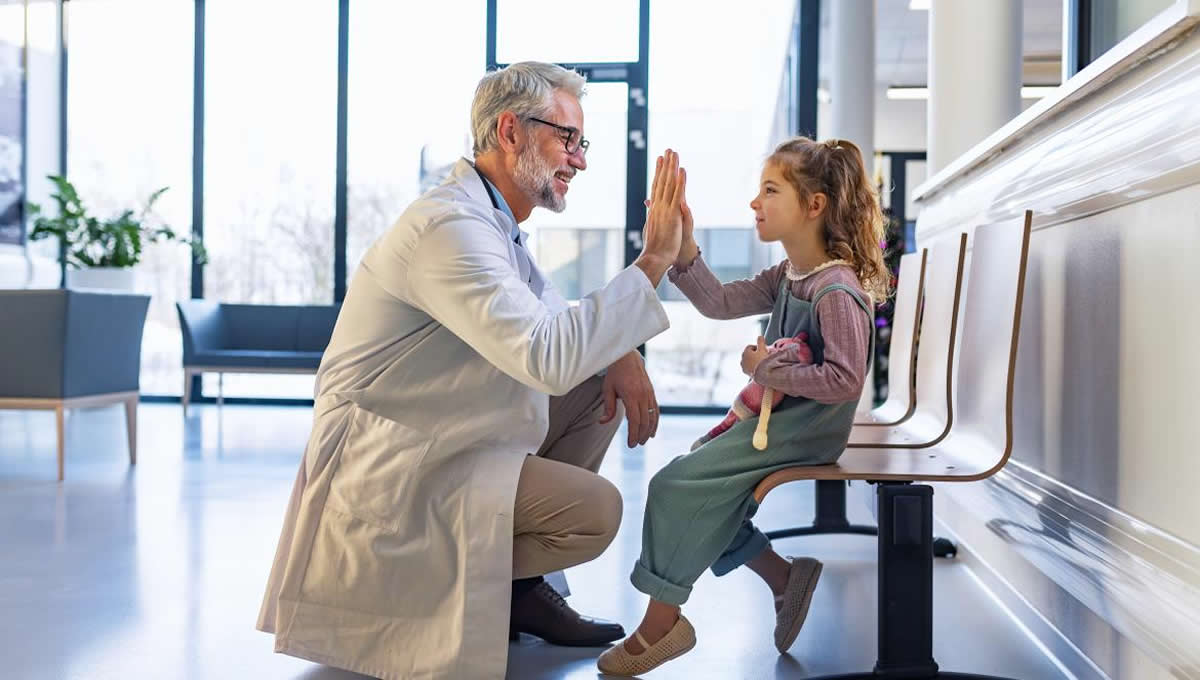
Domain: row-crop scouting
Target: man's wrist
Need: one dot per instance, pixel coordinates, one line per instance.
(654, 266)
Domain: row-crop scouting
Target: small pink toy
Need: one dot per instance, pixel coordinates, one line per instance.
(757, 400)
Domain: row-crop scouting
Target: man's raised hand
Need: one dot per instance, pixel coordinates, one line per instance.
(663, 233)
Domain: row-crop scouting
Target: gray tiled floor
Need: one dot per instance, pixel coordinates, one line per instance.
(158, 571)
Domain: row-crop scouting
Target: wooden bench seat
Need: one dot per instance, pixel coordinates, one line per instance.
(933, 414)
(906, 318)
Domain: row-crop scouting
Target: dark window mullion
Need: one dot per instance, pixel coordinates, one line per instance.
(340, 188)
(61, 17)
(198, 163)
(1077, 52)
(198, 148)
(490, 49)
(807, 37)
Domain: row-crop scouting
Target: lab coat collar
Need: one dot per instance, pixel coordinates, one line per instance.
(465, 174)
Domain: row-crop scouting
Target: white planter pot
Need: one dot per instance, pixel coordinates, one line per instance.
(121, 279)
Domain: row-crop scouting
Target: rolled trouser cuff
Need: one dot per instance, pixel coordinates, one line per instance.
(657, 587)
(748, 545)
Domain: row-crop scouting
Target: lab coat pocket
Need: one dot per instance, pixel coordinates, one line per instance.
(380, 462)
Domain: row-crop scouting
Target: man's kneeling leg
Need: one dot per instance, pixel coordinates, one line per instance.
(564, 516)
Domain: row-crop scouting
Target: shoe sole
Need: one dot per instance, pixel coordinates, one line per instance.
(805, 602)
(674, 656)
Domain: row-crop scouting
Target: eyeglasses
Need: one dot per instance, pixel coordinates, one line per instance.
(573, 141)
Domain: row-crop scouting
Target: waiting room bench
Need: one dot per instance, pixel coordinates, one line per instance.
(902, 351)
(979, 445)
(927, 298)
(229, 338)
(933, 414)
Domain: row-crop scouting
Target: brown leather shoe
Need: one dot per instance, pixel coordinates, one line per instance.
(544, 613)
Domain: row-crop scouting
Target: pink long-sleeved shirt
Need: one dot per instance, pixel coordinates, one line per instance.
(845, 327)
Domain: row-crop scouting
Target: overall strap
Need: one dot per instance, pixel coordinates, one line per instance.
(841, 286)
(778, 310)
(783, 288)
(816, 320)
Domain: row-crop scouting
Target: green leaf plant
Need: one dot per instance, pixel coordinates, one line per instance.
(90, 242)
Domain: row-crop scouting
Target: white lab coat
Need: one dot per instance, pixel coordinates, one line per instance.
(395, 558)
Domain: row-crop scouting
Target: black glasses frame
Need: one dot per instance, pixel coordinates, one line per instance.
(572, 133)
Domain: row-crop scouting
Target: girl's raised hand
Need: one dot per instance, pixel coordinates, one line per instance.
(663, 233)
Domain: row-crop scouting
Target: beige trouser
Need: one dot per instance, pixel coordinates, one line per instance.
(565, 513)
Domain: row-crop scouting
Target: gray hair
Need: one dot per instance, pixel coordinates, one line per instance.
(525, 88)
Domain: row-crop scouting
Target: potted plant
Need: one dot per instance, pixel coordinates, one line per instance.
(96, 253)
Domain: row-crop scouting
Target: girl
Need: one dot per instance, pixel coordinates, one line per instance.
(818, 201)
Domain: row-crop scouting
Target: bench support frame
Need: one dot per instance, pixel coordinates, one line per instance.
(831, 519)
(905, 636)
(190, 372)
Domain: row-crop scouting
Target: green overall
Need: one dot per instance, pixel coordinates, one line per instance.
(698, 507)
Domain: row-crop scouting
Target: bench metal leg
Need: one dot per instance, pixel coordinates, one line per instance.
(831, 519)
(905, 637)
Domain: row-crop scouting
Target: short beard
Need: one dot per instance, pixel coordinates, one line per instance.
(535, 177)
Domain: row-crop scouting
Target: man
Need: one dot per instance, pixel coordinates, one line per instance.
(420, 524)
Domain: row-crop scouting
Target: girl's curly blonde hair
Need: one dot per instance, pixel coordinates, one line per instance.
(853, 218)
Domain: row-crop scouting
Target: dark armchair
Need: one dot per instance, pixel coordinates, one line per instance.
(63, 349)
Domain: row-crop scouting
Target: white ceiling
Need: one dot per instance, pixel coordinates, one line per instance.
(901, 45)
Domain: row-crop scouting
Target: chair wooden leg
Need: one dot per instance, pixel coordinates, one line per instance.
(59, 417)
(187, 390)
(131, 406)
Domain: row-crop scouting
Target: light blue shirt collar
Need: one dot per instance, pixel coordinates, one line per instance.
(516, 231)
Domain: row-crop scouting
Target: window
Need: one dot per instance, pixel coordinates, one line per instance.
(12, 113)
(1111, 21)
(129, 133)
(713, 79)
(579, 261)
(567, 32)
(269, 162)
(409, 115)
(731, 253)
(581, 248)
(270, 146)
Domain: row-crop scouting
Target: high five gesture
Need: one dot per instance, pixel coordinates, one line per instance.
(663, 233)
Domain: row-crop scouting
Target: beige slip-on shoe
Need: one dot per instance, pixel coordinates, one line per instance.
(677, 642)
(794, 602)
